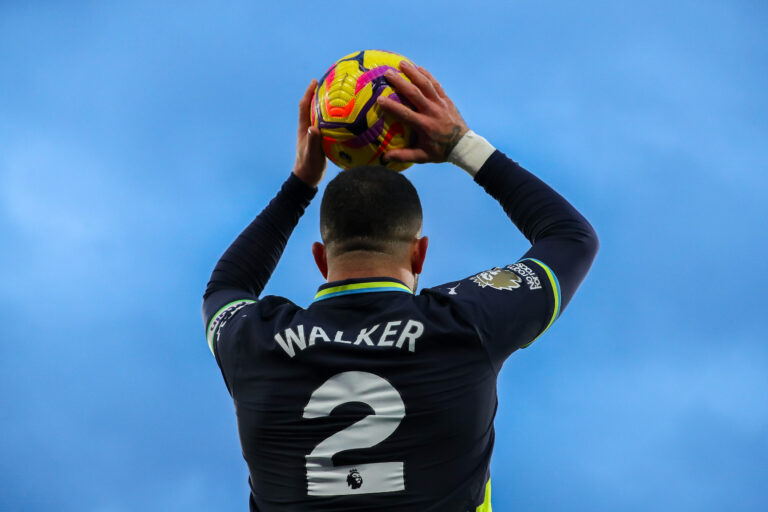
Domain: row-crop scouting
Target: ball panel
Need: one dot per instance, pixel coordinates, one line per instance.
(356, 130)
(340, 96)
(375, 58)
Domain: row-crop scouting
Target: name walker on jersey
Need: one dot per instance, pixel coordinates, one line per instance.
(395, 334)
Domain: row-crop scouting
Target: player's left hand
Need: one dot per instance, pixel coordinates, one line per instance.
(310, 157)
(438, 123)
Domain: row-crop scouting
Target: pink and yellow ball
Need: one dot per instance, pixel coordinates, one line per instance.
(355, 129)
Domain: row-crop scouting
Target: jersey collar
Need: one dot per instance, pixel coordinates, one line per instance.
(360, 285)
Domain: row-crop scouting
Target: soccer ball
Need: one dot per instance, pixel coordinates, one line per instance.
(355, 129)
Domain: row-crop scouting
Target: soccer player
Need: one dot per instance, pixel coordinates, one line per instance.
(374, 397)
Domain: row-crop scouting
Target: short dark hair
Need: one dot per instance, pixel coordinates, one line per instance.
(369, 208)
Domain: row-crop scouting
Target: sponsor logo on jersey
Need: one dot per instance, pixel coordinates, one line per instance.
(452, 290)
(354, 479)
(523, 270)
(498, 279)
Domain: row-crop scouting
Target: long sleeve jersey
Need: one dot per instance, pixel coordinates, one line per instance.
(373, 397)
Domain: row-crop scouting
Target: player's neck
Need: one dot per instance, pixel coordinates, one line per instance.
(356, 268)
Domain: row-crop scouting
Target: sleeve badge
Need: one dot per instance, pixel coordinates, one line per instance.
(498, 279)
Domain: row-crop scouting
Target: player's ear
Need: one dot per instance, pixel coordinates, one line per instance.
(418, 253)
(318, 251)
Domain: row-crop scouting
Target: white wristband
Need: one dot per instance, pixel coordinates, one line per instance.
(471, 152)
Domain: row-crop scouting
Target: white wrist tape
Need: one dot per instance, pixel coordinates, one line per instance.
(471, 152)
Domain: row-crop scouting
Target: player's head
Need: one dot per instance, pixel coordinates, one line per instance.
(369, 208)
(370, 212)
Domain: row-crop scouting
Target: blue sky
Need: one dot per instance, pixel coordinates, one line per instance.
(136, 140)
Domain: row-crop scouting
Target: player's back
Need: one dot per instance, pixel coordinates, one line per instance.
(366, 400)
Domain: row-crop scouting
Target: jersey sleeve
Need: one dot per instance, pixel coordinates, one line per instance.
(509, 306)
(219, 309)
(243, 270)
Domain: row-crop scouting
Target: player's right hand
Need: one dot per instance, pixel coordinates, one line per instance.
(437, 121)
(310, 157)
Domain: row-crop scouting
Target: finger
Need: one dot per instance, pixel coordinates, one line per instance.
(406, 114)
(315, 140)
(316, 152)
(435, 83)
(407, 89)
(415, 155)
(304, 104)
(421, 81)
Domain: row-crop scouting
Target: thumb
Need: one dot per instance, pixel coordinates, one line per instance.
(315, 147)
(415, 155)
(315, 142)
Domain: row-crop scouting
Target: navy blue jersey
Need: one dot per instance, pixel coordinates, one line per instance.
(373, 398)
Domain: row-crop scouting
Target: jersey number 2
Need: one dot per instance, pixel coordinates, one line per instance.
(325, 479)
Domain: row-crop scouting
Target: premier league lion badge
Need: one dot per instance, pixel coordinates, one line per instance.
(498, 279)
(354, 479)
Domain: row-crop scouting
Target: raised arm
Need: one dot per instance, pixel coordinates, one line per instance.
(245, 267)
(560, 236)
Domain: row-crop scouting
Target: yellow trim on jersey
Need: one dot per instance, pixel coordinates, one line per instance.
(376, 286)
(556, 292)
(485, 506)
